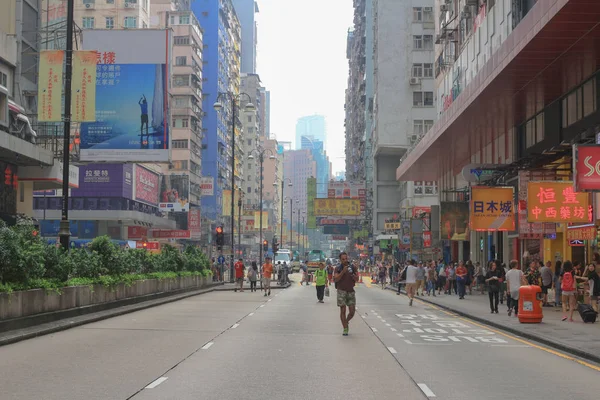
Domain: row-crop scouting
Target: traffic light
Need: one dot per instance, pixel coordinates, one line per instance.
(275, 245)
(265, 245)
(220, 238)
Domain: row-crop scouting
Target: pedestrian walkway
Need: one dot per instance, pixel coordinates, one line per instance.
(574, 337)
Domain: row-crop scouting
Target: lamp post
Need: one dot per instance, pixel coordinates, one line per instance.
(291, 225)
(261, 160)
(304, 233)
(218, 106)
(240, 221)
(298, 230)
(282, 200)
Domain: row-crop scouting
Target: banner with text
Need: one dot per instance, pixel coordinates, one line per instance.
(83, 89)
(265, 220)
(492, 208)
(556, 201)
(337, 207)
(311, 194)
(50, 85)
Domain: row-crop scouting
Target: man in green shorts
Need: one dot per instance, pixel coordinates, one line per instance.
(345, 278)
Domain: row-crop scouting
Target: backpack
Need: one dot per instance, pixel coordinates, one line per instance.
(568, 284)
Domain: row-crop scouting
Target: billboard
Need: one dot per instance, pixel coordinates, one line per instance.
(455, 220)
(587, 233)
(337, 207)
(336, 230)
(174, 193)
(207, 186)
(348, 190)
(8, 189)
(586, 167)
(83, 87)
(492, 208)
(146, 185)
(170, 234)
(265, 219)
(311, 194)
(194, 222)
(50, 85)
(106, 180)
(132, 114)
(556, 201)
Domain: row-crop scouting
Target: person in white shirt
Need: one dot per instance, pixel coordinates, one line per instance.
(411, 281)
(514, 280)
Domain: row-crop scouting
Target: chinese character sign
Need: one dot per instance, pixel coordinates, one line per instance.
(337, 207)
(587, 233)
(311, 194)
(586, 167)
(549, 201)
(83, 89)
(50, 84)
(492, 208)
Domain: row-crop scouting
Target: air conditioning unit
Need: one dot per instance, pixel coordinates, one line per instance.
(413, 139)
(414, 81)
(464, 15)
(89, 4)
(130, 5)
(467, 9)
(427, 9)
(444, 8)
(473, 2)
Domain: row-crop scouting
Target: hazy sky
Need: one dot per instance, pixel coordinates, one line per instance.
(302, 61)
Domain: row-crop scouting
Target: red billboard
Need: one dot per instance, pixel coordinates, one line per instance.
(136, 232)
(194, 223)
(586, 167)
(426, 239)
(146, 186)
(170, 234)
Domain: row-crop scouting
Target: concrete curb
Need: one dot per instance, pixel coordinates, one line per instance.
(247, 287)
(540, 339)
(62, 324)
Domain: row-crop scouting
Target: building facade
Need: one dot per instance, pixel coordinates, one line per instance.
(246, 11)
(221, 74)
(251, 143)
(323, 165)
(298, 165)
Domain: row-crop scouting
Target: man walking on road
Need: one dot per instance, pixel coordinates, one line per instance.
(514, 280)
(345, 278)
(411, 281)
(321, 282)
(547, 279)
(239, 274)
(267, 272)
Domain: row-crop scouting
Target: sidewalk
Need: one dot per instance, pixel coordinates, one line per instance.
(575, 337)
(232, 286)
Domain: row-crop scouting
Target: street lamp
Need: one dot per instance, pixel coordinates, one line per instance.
(218, 106)
(240, 220)
(281, 211)
(298, 229)
(261, 160)
(292, 223)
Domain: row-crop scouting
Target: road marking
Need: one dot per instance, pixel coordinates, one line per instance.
(388, 325)
(400, 335)
(372, 311)
(408, 341)
(518, 339)
(426, 390)
(251, 314)
(393, 329)
(262, 305)
(392, 350)
(269, 299)
(379, 316)
(509, 345)
(234, 326)
(207, 345)
(374, 329)
(157, 382)
(383, 320)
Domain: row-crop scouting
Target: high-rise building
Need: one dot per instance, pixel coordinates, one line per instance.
(251, 140)
(264, 113)
(323, 165)
(312, 126)
(404, 108)
(298, 165)
(246, 11)
(221, 74)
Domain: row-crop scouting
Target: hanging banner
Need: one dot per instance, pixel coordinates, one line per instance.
(556, 201)
(226, 211)
(587, 233)
(311, 194)
(265, 219)
(207, 186)
(50, 84)
(492, 209)
(427, 239)
(83, 89)
(337, 207)
(194, 222)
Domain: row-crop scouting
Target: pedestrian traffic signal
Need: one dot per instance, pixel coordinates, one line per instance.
(275, 245)
(265, 245)
(220, 238)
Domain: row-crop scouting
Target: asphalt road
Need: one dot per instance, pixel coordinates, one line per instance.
(226, 345)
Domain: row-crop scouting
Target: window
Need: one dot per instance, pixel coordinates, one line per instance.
(417, 14)
(589, 97)
(418, 42)
(533, 129)
(184, 19)
(418, 127)
(250, 129)
(88, 23)
(181, 60)
(249, 118)
(130, 22)
(249, 190)
(179, 164)
(427, 125)
(173, 20)
(417, 99)
(181, 101)
(110, 22)
(428, 99)
(249, 142)
(110, 1)
(181, 80)
(3, 79)
(579, 103)
(417, 70)
(181, 40)
(428, 42)
(180, 144)
(428, 70)
(184, 123)
(428, 14)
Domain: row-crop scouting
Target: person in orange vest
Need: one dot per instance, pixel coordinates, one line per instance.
(267, 273)
(239, 274)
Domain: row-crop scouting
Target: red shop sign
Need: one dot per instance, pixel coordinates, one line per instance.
(586, 167)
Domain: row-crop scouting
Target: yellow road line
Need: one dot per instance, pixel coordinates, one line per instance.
(537, 346)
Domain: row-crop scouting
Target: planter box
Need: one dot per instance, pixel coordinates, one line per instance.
(38, 301)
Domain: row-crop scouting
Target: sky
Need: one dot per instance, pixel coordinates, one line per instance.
(302, 60)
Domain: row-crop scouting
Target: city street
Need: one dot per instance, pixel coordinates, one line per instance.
(226, 345)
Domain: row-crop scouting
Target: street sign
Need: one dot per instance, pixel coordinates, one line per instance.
(221, 260)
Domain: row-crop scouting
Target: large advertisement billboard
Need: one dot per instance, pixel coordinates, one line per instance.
(554, 201)
(455, 220)
(175, 193)
(132, 82)
(586, 167)
(337, 207)
(492, 208)
(348, 190)
(146, 186)
(106, 180)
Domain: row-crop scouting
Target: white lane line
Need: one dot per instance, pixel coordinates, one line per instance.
(510, 345)
(383, 320)
(432, 344)
(234, 326)
(251, 314)
(372, 311)
(400, 335)
(374, 329)
(388, 325)
(392, 350)
(207, 345)
(157, 382)
(379, 316)
(269, 299)
(408, 342)
(262, 305)
(393, 329)
(426, 390)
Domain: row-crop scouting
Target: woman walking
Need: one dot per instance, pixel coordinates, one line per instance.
(493, 280)
(252, 276)
(569, 290)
